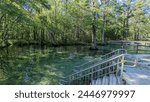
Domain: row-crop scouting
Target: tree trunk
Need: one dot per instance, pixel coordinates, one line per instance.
(124, 26)
(135, 34)
(42, 36)
(77, 29)
(138, 34)
(34, 33)
(128, 12)
(127, 26)
(103, 29)
(94, 42)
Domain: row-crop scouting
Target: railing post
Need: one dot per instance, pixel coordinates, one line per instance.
(118, 52)
(125, 51)
(117, 70)
(122, 65)
(92, 74)
(117, 63)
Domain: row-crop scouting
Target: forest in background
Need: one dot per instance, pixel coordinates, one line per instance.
(71, 22)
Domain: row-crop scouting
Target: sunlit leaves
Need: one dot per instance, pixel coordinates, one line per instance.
(64, 21)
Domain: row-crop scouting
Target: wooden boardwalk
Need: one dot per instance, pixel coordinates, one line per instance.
(106, 70)
(99, 59)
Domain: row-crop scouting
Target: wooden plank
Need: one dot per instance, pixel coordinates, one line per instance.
(105, 80)
(99, 81)
(112, 79)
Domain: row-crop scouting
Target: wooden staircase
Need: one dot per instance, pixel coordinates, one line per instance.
(99, 59)
(111, 79)
(106, 70)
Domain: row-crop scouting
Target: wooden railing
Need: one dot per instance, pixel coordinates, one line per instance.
(114, 65)
(97, 60)
(147, 44)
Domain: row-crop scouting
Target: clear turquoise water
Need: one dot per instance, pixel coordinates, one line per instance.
(34, 65)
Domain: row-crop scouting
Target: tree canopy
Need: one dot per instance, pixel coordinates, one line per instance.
(57, 22)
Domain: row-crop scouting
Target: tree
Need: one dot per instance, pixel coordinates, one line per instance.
(59, 22)
(94, 42)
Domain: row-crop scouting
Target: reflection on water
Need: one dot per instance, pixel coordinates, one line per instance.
(45, 65)
(34, 65)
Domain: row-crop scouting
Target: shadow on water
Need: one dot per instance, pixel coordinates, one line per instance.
(32, 65)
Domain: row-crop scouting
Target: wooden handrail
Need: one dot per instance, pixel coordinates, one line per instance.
(100, 63)
(102, 66)
(99, 70)
(108, 55)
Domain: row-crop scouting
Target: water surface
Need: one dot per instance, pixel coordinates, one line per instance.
(45, 65)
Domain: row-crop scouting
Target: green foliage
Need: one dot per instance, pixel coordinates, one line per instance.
(70, 21)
